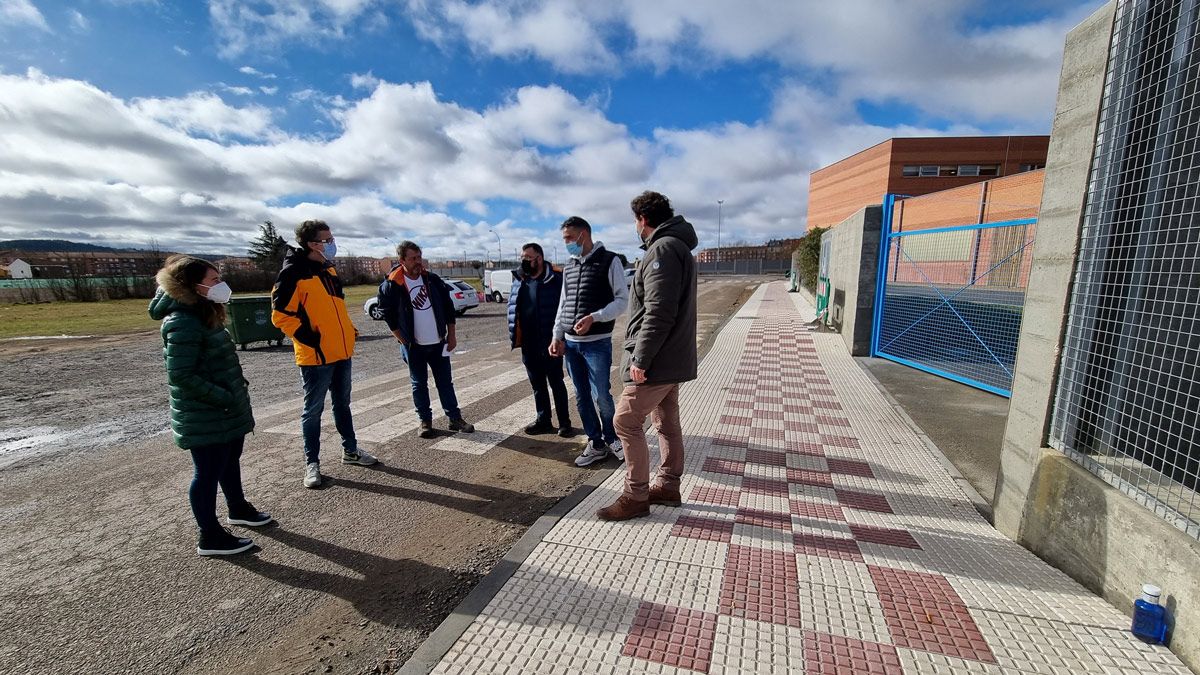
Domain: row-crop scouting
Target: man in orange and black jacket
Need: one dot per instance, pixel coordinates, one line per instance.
(309, 306)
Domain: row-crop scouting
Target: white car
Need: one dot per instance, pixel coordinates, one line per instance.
(462, 295)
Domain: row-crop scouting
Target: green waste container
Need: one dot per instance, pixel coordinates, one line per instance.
(249, 320)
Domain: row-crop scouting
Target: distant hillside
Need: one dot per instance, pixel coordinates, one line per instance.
(62, 245)
(44, 245)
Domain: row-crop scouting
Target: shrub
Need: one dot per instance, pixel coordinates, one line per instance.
(810, 257)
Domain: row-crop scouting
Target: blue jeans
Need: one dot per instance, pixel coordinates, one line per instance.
(333, 378)
(589, 363)
(216, 465)
(421, 359)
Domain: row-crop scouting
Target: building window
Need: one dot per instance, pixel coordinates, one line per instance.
(968, 169)
(929, 170)
(989, 170)
(1031, 167)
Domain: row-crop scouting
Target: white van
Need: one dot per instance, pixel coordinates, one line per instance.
(497, 285)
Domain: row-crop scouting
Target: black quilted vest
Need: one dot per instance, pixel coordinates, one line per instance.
(586, 289)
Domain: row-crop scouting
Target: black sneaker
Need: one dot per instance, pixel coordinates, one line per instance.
(462, 425)
(248, 516)
(567, 431)
(426, 429)
(538, 428)
(222, 543)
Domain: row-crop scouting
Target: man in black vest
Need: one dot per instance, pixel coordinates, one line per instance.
(594, 295)
(532, 307)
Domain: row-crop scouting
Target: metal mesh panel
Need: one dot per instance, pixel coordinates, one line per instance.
(1128, 399)
(953, 299)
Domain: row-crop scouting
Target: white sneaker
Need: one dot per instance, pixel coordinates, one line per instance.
(617, 450)
(595, 452)
(312, 475)
(361, 458)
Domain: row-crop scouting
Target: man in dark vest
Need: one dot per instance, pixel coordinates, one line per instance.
(659, 355)
(594, 295)
(532, 307)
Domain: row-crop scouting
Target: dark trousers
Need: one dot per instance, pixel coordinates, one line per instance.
(334, 379)
(546, 375)
(421, 360)
(216, 465)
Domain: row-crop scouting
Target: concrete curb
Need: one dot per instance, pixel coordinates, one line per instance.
(435, 647)
(983, 506)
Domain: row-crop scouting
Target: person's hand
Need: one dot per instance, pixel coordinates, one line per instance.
(557, 348)
(637, 374)
(583, 325)
(451, 343)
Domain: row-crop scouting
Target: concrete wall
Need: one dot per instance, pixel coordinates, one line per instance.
(1048, 503)
(853, 268)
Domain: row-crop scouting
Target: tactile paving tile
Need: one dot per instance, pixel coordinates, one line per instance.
(883, 535)
(807, 509)
(829, 547)
(849, 467)
(761, 585)
(864, 501)
(703, 528)
(826, 654)
(710, 494)
(673, 636)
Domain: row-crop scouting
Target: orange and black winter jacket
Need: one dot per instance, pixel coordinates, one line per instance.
(309, 307)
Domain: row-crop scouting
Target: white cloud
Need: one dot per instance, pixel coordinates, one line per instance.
(251, 70)
(181, 51)
(21, 13)
(269, 91)
(265, 25)
(363, 80)
(79, 22)
(206, 114)
(238, 90)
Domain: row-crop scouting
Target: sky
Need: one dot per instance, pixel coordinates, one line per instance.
(474, 127)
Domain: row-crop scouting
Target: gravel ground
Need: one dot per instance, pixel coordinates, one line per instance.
(97, 566)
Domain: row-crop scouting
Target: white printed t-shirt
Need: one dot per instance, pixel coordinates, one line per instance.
(424, 322)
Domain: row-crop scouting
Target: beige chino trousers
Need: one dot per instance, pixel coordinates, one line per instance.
(661, 402)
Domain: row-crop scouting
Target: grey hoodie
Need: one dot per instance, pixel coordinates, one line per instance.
(661, 338)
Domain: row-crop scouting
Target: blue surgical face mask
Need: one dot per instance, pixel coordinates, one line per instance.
(575, 248)
(330, 250)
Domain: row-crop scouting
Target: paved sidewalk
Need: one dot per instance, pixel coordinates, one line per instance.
(818, 534)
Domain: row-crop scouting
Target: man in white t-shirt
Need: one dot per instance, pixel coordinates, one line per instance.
(416, 306)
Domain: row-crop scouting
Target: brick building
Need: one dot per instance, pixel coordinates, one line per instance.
(775, 249)
(916, 166)
(61, 264)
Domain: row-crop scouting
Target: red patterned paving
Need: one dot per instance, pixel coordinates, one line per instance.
(840, 441)
(715, 495)
(809, 449)
(826, 654)
(730, 440)
(863, 501)
(765, 486)
(672, 635)
(809, 477)
(833, 421)
(838, 548)
(923, 611)
(761, 586)
(766, 457)
(817, 510)
(850, 467)
(703, 528)
(885, 536)
(736, 421)
(726, 466)
(759, 518)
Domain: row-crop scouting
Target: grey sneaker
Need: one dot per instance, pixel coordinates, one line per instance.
(426, 429)
(462, 425)
(617, 450)
(361, 458)
(595, 452)
(312, 475)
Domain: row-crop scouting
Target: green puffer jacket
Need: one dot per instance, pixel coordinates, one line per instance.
(209, 400)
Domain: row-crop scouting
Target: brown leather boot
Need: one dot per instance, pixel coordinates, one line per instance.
(665, 496)
(623, 509)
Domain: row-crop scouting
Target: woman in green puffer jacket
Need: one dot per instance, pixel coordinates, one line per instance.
(210, 405)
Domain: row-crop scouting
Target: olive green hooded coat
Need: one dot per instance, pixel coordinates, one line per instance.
(209, 400)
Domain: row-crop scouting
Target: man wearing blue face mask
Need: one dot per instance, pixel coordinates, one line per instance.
(594, 294)
(310, 308)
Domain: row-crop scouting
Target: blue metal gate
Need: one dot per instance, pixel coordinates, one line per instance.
(949, 300)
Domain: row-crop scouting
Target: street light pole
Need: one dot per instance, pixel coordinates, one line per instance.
(719, 203)
(499, 249)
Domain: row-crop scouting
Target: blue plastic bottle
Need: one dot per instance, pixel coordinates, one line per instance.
(1149, 617)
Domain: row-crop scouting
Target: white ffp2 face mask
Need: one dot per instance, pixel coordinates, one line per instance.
(219, 293)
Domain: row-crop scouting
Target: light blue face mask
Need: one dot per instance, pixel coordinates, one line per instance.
(330, 250)
(575, 248)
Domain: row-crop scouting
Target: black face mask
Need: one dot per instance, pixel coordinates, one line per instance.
(527, 268)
